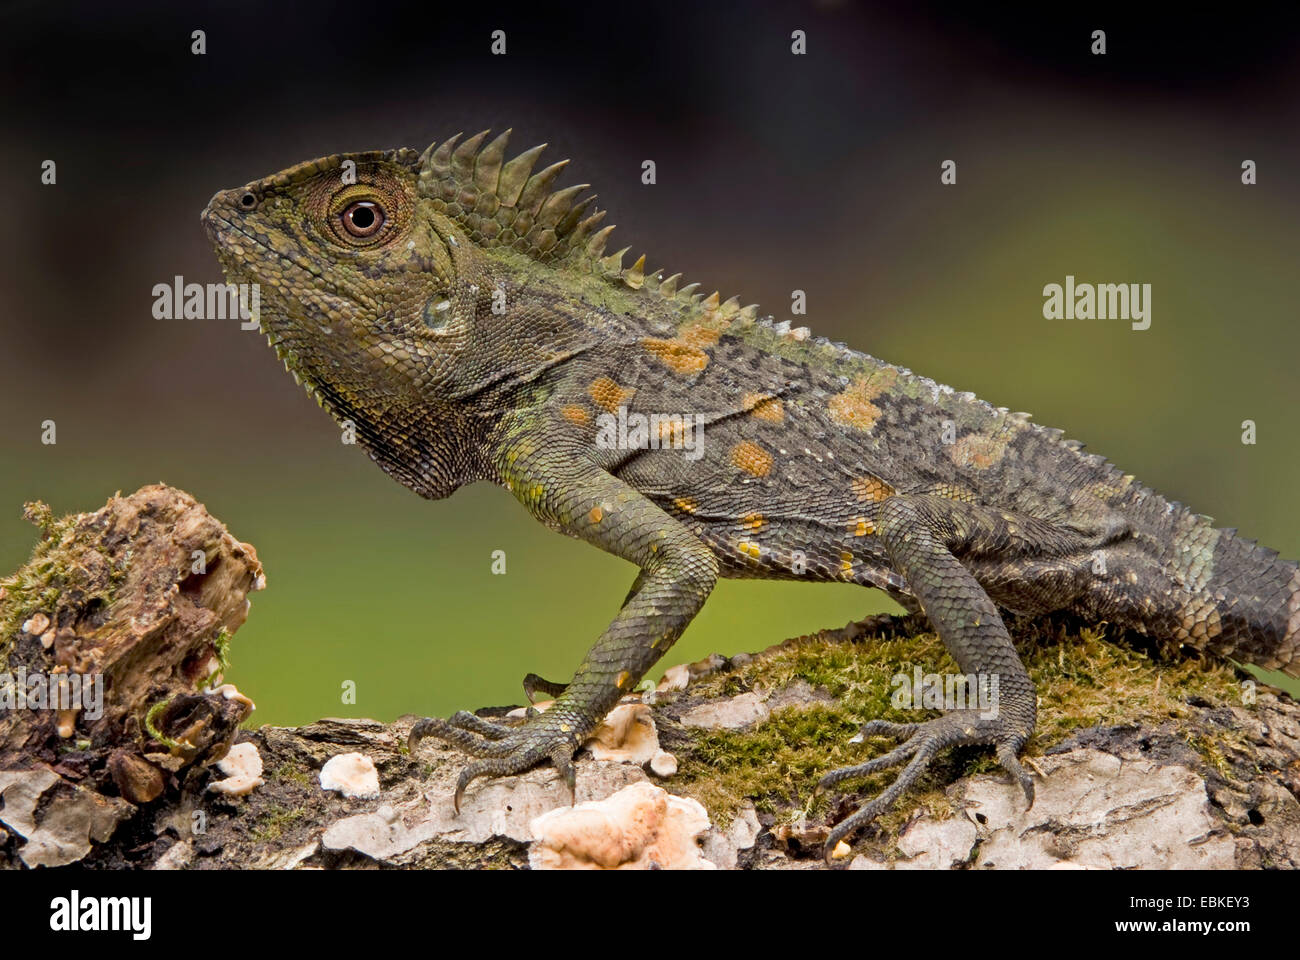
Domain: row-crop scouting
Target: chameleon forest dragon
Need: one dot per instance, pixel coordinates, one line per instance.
(462, 313)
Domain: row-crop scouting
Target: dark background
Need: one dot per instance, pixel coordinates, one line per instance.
(775, 172)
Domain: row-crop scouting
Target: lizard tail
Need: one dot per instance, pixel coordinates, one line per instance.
(1251, 604)
(1185, 581)
(1171, 574)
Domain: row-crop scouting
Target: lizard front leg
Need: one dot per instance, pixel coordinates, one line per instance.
(920, 534)
(677, 574)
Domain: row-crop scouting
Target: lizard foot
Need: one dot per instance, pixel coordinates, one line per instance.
(922, 741)
(503, 750)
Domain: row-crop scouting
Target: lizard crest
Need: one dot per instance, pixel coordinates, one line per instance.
(505, 204)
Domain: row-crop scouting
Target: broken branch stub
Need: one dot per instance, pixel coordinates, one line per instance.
(112, 643)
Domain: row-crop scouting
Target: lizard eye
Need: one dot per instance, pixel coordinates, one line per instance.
(363, 218)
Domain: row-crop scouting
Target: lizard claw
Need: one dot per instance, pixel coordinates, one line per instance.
(502, 751)
(562, 760)
(1007, 750)
(418, 732)
(924, 741)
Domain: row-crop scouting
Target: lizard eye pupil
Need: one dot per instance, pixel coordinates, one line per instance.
(363, 218)
(248, 201)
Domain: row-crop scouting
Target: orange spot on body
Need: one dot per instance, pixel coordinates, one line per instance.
(752, 458)
(952, 491)
(677, 355)
(672, 432)
(596, 515)
(853, 408)
(576, 414)
(977, 452)
(686, 504)
(753, 521)
(869, 488)
(609, 395)
(700, 335)
(763, 407)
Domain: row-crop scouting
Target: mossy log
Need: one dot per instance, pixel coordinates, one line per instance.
(1143, 761)
(112, 642)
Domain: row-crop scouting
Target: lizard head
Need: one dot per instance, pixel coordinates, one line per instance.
(343, 261)
(374, 276)
(350, 279)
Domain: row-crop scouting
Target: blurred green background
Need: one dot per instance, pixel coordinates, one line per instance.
(775, 173)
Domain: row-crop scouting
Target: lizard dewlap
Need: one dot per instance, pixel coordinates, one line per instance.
(462, 313)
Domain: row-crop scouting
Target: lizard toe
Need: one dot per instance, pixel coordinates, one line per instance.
(883, 728)
(515, 750)
(1010, 762)
(448, 731)
(890, 759)
(952, 729)
(533, 685)
(476, 724)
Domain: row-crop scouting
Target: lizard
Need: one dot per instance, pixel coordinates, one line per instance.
(460, 310)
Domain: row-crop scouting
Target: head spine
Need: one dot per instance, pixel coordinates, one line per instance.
(502, 203)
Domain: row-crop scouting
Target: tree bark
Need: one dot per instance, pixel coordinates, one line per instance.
(147, 592)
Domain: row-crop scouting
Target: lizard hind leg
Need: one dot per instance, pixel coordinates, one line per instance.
(921, 534)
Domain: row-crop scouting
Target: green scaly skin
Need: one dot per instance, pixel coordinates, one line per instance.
(461, 313)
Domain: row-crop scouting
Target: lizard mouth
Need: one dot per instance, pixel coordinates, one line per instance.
(227, 234)
(292, 325)
(240, 252)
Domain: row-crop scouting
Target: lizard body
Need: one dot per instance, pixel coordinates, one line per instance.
(462, 312)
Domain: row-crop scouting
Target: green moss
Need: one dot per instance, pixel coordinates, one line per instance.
(37, 585)
(221, 649)
(289, 773)
(151, 725)
(1083, 680)
(271, 823)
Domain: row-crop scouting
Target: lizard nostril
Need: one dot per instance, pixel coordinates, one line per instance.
(248, 201)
